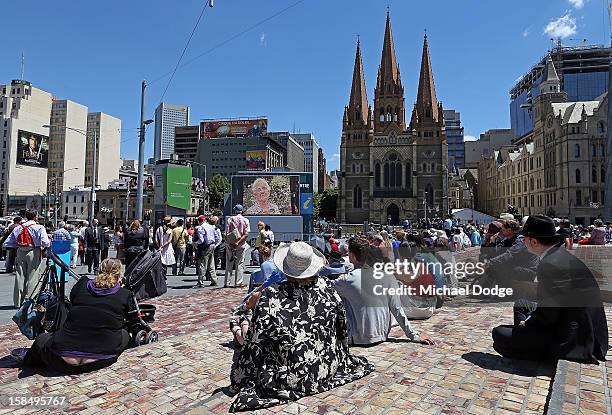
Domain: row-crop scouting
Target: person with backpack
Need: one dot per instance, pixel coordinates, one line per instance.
(30, 240)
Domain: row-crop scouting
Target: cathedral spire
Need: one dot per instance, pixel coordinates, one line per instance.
(358, 103)
(388, 73)
(427, 103)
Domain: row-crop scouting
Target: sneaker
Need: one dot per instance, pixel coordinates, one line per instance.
(198, 285)
(19, 354)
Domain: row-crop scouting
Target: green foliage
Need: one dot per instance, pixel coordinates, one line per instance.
(219, 185)
(325, 204)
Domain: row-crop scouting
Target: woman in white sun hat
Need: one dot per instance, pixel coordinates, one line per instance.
(298, 342)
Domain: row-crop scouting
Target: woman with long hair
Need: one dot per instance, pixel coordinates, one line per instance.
(135, 240)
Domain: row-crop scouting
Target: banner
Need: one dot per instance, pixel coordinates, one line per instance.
(306, 203)
(256, 159)
(32, 149)
(234, 128)
(178, 187)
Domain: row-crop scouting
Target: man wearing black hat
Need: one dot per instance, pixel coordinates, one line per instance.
(568, 321)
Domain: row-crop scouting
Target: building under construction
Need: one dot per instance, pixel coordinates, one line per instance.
(582, 70)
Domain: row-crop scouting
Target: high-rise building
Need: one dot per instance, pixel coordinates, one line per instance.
(583, 75)
(67, 147)
(168, 116)
(311, 155)
(454, 138)
(294, 159)
(392, 171)
(186, 142)
(24, 110)
(108, 131)
(322, 172)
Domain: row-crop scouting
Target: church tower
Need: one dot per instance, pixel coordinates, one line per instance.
(389, 106)
(427, 127)
(353, 203)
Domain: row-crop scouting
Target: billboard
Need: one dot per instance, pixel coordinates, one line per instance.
(32, 149)
(256, 159)
(267, 195)
(234, 128)
(178, 186)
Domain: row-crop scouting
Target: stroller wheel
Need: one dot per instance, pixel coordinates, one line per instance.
(152, 337)
(140, 338)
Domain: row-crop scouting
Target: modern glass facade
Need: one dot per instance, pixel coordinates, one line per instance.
(583, 72)
(454, 138)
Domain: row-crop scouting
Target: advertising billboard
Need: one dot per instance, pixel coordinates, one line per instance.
(256, 159)
(178, 187)
(234, 128)
(32, 149)
(267, 195)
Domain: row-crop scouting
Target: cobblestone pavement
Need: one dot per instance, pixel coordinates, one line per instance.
(186, 372)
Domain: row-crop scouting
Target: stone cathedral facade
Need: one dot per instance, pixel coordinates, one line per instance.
(391, 170)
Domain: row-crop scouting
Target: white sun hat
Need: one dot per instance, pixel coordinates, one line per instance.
(298, 260)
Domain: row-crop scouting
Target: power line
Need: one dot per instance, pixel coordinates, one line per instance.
(228, 40)
(185, 49)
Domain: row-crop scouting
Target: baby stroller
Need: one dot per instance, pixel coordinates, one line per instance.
(146, 279)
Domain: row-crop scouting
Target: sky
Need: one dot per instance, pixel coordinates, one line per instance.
(289, 60)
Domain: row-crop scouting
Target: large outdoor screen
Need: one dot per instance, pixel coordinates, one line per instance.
(32, 149)
(267, 195)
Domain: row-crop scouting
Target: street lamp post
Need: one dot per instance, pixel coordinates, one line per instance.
(141, 150)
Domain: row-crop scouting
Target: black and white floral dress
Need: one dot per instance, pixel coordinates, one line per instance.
(297, 346)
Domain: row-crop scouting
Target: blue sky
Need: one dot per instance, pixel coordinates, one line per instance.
(295, 68)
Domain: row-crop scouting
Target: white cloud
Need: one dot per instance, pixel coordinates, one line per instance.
(469, 138)
(563, 27)
(262, 40)
(577, 4)
(335, 156)
(526, 32)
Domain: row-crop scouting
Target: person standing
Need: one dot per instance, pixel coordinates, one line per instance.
(118, 241)
(82, 230)
(74, 244)
(212, 273)
(61, 234)
(29, 239)
(179, 244)
(236, 232)
(189, 246)
(165, 243)
(10, 252)
(261, 235)
(207, 238)
(94, 241)
(106, 242)
(135, 240)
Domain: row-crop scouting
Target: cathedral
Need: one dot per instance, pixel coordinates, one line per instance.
(390, 170)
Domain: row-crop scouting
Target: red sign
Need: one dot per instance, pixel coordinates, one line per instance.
(234, 128)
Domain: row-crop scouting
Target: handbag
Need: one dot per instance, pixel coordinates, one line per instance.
(30, 315)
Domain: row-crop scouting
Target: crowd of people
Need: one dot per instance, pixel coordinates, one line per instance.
(310, 303)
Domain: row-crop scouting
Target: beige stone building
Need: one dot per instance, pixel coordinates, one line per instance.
(108, 130)
(391, 170)
(559, 169)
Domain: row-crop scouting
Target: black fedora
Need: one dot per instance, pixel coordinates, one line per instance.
(539, 226)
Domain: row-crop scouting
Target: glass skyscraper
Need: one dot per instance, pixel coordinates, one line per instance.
(454, 138)
(583, 72)
(168, 116)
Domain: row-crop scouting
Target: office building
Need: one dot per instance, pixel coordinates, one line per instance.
(67, 147)
(186, 142)
(583, 75)
(108, 133)
(560, 167)
(294, 158)
(228, 156)
(167, 117)
(489, 141)
(454, 138)
(311, 155)
(24, 110)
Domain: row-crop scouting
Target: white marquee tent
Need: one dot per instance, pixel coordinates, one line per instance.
(468, 214)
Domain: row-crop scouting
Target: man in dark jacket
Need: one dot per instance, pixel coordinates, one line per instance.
(568, 321)
(94, 243)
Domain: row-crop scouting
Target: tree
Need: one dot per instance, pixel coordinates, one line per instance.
(219, 185)
(325, 204)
